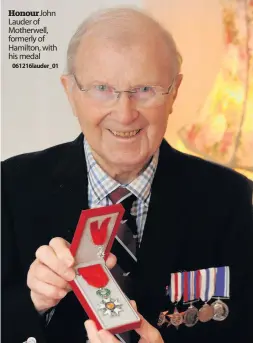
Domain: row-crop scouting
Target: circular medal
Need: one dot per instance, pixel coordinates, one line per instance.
(191, 316)
(206, 313)
(221, 310)
(176, 319)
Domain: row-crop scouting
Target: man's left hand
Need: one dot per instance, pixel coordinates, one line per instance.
(147, 332)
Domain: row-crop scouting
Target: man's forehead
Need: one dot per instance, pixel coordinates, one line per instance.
(122, 39)
(108, 58)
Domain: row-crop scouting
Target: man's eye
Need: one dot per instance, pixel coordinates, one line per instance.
(145, 89)
(102, 88)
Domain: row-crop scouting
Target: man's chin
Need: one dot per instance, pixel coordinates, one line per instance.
(128, 162)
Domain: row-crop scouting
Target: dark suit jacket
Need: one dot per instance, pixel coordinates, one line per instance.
(200, 216)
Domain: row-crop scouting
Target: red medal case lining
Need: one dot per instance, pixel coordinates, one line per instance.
(85, 216)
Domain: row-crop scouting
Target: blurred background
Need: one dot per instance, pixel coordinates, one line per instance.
(213, 115)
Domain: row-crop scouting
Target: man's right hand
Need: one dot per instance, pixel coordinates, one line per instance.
(49, 274)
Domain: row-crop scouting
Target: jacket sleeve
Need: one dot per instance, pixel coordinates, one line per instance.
(20, 319)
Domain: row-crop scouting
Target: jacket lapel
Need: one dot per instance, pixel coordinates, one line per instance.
(70, 189)
(165, 210)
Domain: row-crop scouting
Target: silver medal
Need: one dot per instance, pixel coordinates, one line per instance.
(191, 316)
(110, 307)
(220, 309)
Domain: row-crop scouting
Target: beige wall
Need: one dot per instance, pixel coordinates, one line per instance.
(197, 28)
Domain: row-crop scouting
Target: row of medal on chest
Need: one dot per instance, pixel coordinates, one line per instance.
(217, 311)
(192, 286)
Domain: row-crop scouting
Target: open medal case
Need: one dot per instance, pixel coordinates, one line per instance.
(96, 289)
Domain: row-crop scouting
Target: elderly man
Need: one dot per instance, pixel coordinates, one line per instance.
(187, 216)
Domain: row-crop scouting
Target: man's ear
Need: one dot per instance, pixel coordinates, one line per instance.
(68, 84)
(177, 84)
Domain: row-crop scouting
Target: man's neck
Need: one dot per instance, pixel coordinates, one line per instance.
(121, 175)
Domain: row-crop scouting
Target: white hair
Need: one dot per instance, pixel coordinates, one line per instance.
(116, 23)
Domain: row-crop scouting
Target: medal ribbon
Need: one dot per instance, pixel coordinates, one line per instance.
(94, 275)
(99, 234)
(207, 284)
(176, 287)
(197, 283)
(222, 282)
(191, 286)
(188, 286)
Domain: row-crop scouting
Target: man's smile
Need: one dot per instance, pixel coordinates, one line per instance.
(125, 134)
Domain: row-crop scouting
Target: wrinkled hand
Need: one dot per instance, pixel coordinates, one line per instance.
(147, 332)
(50, 273)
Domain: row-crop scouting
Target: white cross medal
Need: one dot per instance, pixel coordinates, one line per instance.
(110, 307)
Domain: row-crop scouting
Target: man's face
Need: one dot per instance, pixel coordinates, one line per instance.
(125, 134)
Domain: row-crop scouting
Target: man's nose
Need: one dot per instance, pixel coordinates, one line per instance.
(125, 109)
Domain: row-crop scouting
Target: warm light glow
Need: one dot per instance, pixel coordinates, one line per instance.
(223, 130)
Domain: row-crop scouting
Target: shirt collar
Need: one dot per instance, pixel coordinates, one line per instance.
(102, 184)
